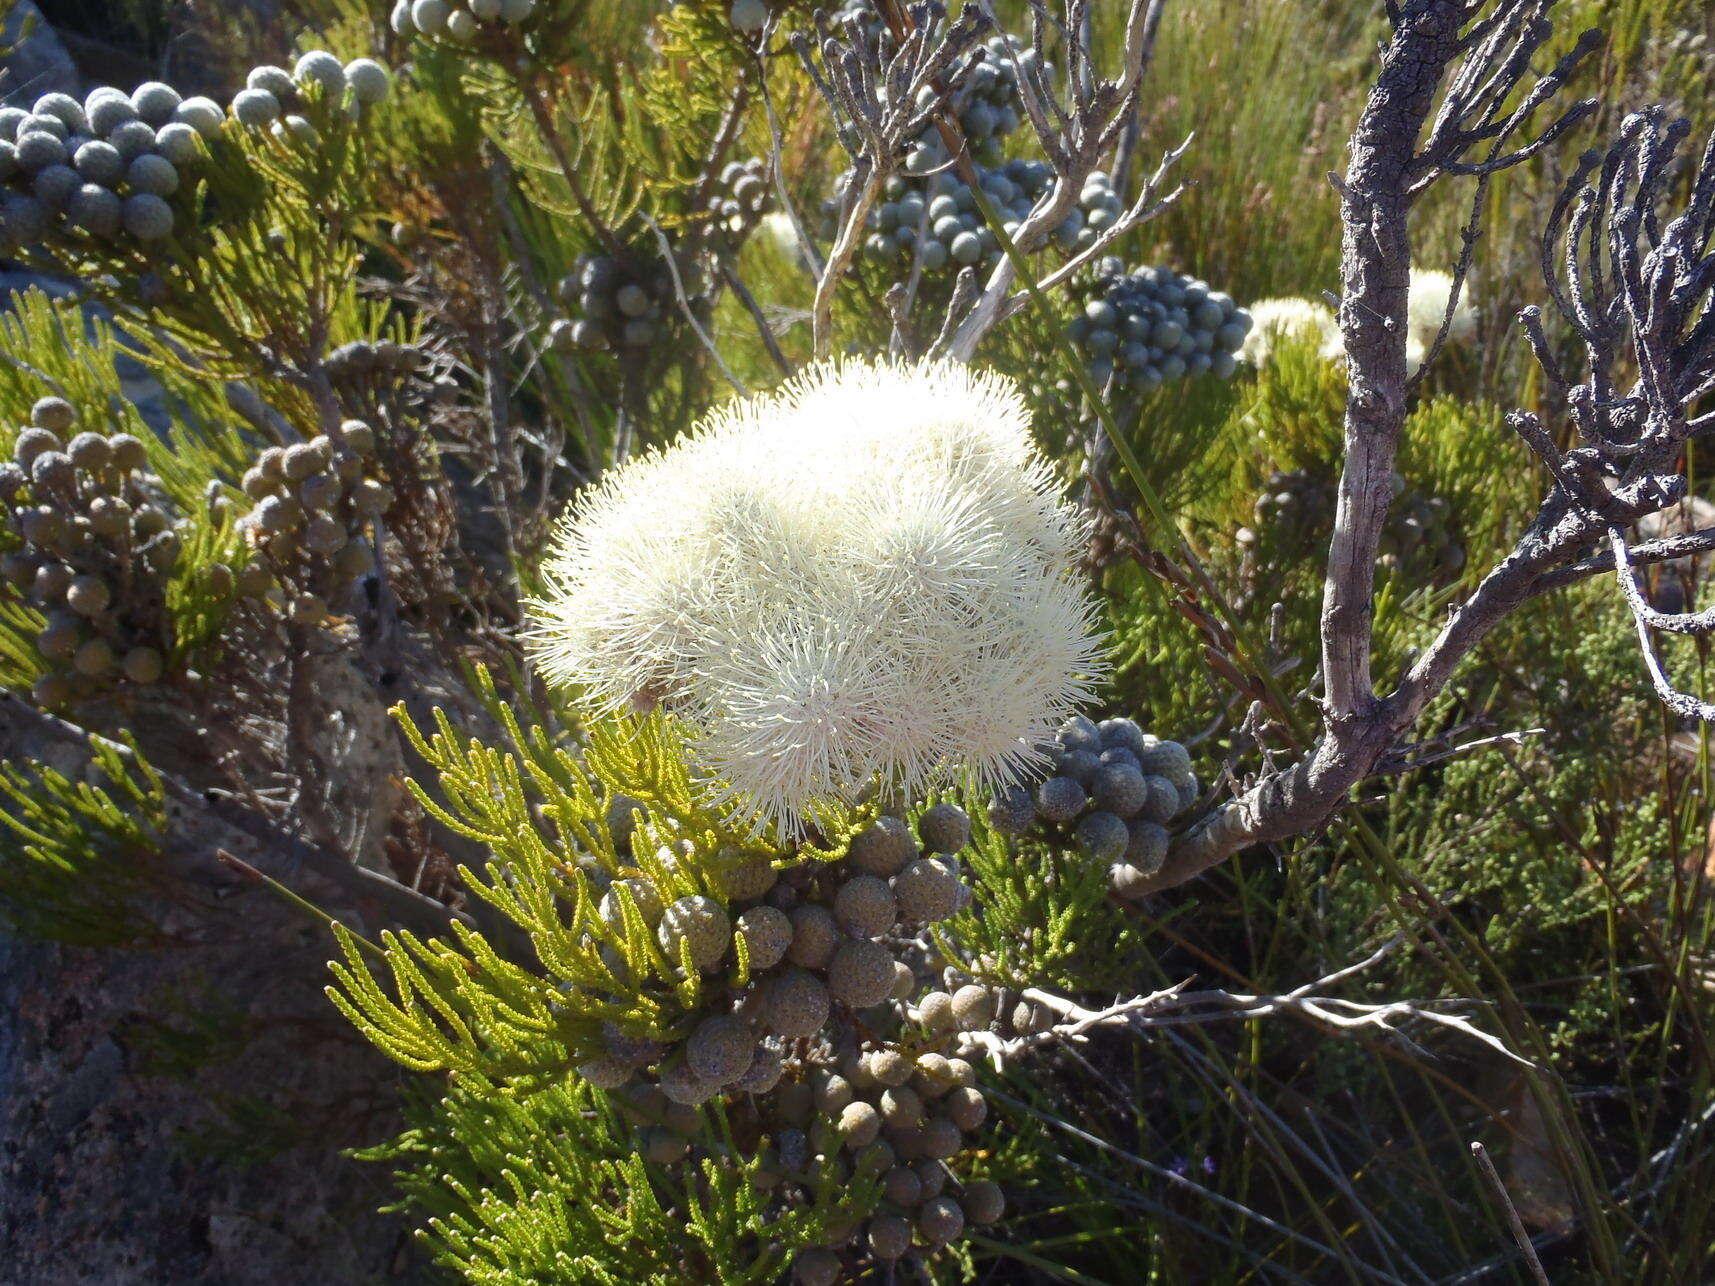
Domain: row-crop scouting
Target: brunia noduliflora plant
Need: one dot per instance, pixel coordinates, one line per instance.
(853, 588)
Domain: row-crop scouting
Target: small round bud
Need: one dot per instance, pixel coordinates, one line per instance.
(900, 1186)
(1012, 811)
(368, 79)
(721, 1049)
(945, 828)
(604, 1073)
(702, 924)
(928, 890)
(832, 1093)
(940, 1220)
(887, 1067)
(322, 68)
(54, 414)
(901, 1107)
(889, 1237)
(1146, 846)
(88, 596)
(859, 1125)
(90, 452)
(94, 658)
(795, 1004)
(661, 1146)
(865, 906)
(767, 933)
(128, 451)
(1060, 799)
(683, 1085)
(814, 935)
(816, 1267)
(883, 848)
(860, 974)
(307, 609)
(973, 1007)
(146, 217)
(359, 437)
(983, 1202)
(746, 878)
(965, 1107)
(1101, 836)
(941, 1138)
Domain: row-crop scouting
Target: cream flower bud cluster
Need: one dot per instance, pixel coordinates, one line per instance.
(864, 575)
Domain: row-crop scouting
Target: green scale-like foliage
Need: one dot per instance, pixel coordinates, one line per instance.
(542, 810)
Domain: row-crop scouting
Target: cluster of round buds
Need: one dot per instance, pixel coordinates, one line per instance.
(1297, 510)
(311, 502)
(1418, 538)
(98, 541)
(107, 167)
(830, 950)
(738, 202)
(937, 221)
(277, 99)
(984, 104)
(1114, 790)
(361, 362)
(1143, 328)
(463, 22)
(624, 303)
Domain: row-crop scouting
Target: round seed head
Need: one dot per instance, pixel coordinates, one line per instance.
(153, 174)
(904, 981)
(461, 26)
(746, 877)
(1167, 758)
(816, 1267)
(371, 498)
(859, 1125)
(63, 108)
(60, 640)
(51, 582)
(56, 185)
(1012, 811)
(940, 1220)
(764, 1073)
(721, 1049)
(1030, 1019)
(1120, 789)
(52, 691)
(513, 12)
(935, 1012)
(321, 68)
(795, 1004)
(255, 108)
(865, 906)
(147, 217)
(1146, 847)
(88, 596)
(430, 16)
(702, 924)
(983, 1202)
(973, 1007)
(861, 974)
(661, 1146)
(604, 1073)
(53, 469)
(945, 828)
(887, 1067)
(32, 443)
(37, 151)
(928, 890)
(832, 1092)
(54, 414)
(358, 436)
(318, 491)
(683, 1085)
(301, 459)
(941, 1138)
(154, 102)
(933, 1176)
(883, 848)
(767, 932)
(901, 1107)
(1060, 799)
(325, 536)
(128, 452)
(368, 79)
(965, 1107)
(814, 935)
(748, 16)
(1163, 800)
(22, 218)
(201, 114)
(94, 658)
(1101, 836)
(889, 1237)
(90, 452)
(900, 1186)
(99, 162)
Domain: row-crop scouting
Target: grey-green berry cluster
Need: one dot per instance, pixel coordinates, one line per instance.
(984, 101)
(318, 83)
(112, 166)
(311, 503)
(1297, 510)
(937, 222)
(625, 304)
(797, 1045)
(98, 539)
(463, 22)
(363, 365)
(1151, 325)
(1114, 790)
(740, 198)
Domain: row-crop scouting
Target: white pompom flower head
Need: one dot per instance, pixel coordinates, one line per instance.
(864, 578)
